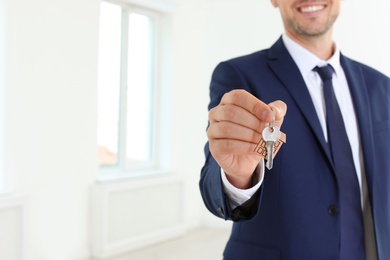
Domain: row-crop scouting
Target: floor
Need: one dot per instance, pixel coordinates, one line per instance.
(204, 244)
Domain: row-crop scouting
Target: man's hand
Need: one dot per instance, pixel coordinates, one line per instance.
(235, 129)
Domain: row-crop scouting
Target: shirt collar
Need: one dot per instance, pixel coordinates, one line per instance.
(306, 60)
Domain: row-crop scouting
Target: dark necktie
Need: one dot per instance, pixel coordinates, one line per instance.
(351, 220)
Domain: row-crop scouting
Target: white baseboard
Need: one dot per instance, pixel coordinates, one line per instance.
(13, 227)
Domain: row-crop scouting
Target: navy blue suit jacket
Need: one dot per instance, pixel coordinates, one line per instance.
(293, 214)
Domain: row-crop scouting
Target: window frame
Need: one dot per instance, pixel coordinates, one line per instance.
(123, 169)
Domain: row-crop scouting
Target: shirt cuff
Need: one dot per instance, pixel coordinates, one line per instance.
(238, 196)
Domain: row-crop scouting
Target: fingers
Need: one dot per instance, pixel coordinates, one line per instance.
(248, 102)
(241, 107)
(232, 131)
(235, 119)
(237, 122)
(234, 114)
(221, 147)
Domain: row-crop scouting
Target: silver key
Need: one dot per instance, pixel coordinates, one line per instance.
(270, 134)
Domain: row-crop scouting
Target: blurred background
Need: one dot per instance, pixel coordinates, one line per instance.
(103, 114)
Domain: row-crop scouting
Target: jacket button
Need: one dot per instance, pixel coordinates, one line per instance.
(333, 210)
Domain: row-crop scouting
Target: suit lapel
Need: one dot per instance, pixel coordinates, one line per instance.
(362, 106)
(284, 67)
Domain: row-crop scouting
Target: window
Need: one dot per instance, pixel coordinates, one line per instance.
(128, 87)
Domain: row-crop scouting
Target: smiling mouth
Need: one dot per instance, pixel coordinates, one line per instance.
(311, 8)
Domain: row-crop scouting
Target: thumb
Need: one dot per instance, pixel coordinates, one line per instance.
(280, 109)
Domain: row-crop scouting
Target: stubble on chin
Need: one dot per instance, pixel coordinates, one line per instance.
(311, 31)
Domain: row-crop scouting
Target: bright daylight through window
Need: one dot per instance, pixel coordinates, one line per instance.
(126, 85)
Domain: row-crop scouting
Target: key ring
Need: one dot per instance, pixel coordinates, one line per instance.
(272, 122)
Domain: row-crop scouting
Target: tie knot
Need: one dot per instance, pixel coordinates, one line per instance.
(325, 72)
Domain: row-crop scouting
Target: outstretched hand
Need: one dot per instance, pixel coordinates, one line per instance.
(235, 130)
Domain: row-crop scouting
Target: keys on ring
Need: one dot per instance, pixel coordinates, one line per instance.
(269, 145)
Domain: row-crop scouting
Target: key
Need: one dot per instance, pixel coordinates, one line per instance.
(270, 134)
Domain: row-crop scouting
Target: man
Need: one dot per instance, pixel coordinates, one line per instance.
(306, 206)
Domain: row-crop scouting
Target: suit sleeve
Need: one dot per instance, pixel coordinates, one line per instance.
(225, 78)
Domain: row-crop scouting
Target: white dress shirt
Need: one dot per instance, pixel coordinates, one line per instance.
(306, 62)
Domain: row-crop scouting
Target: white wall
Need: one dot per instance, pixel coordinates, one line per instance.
(3, 73)
(363, 32)
(51, 120)
(51, 99)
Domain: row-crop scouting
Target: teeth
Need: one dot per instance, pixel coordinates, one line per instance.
(313, 8)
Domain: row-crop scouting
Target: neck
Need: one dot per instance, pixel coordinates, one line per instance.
(322, 46)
